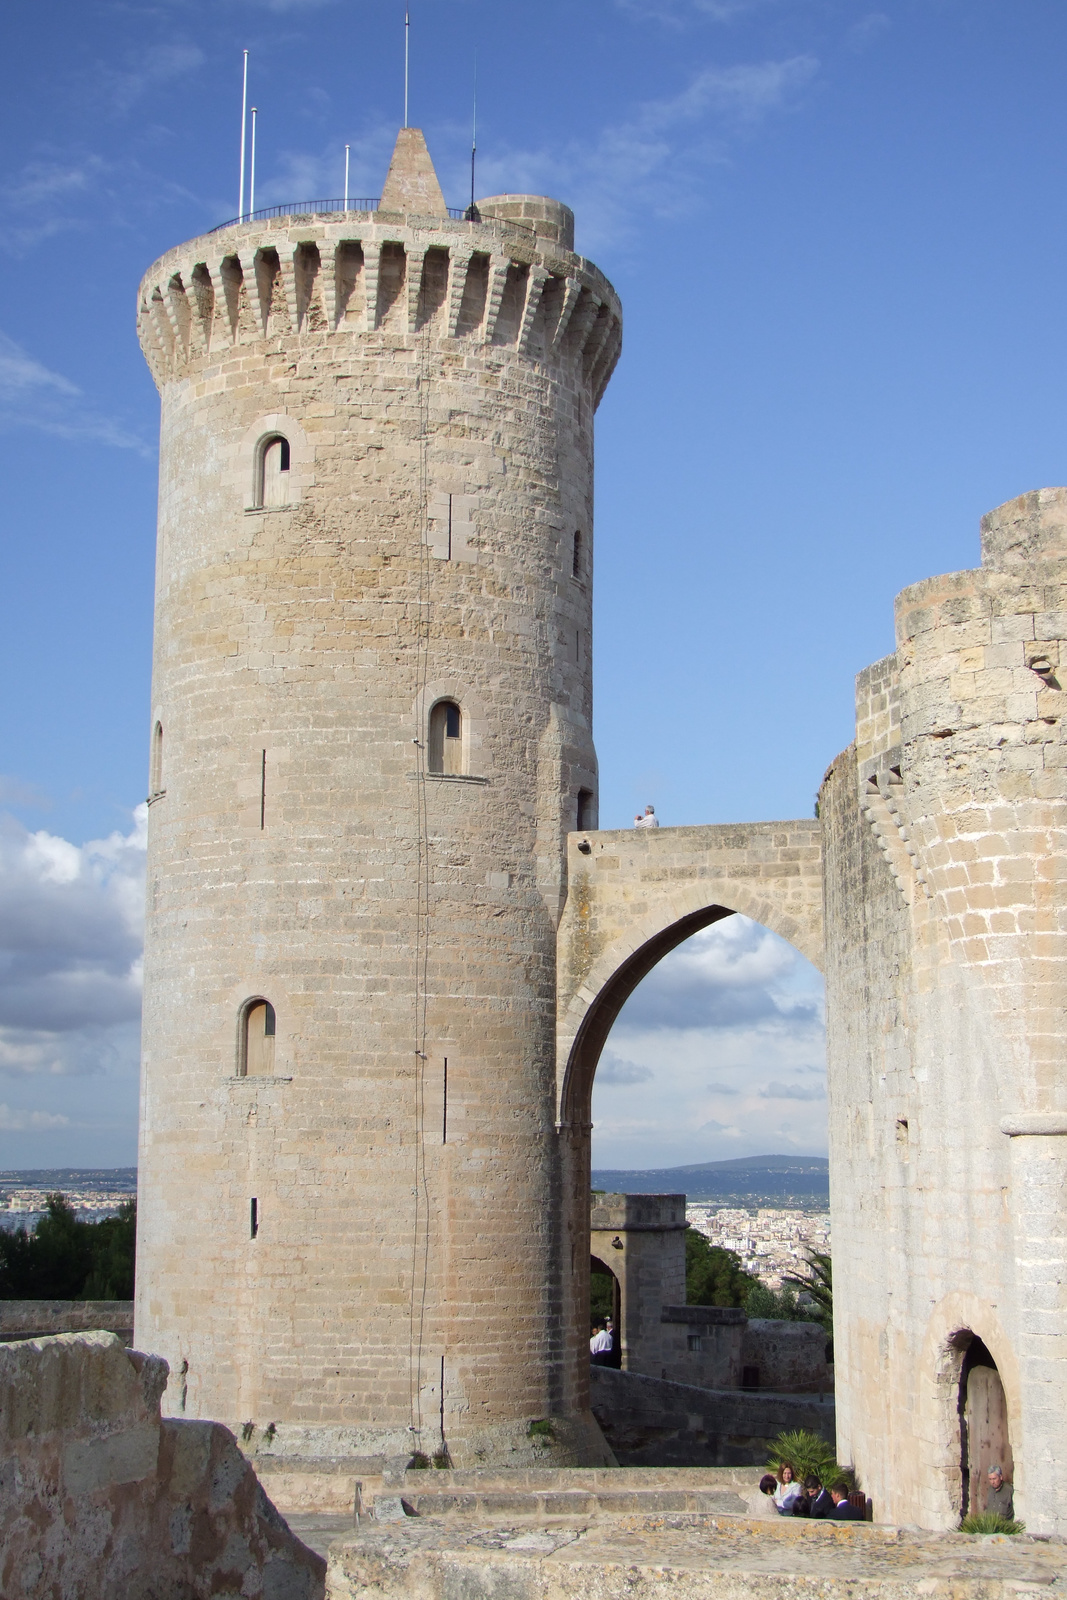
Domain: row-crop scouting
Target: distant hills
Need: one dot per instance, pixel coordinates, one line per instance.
(803, 1181)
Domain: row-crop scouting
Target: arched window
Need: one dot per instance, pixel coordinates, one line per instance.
(155, 763)
(272, 485)
(446, 738)
(576, 554)
(258, 1026)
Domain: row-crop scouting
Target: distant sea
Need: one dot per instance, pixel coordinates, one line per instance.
(71, 1181)
(785, 1182)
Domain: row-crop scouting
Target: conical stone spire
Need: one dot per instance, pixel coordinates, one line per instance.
(411, 186)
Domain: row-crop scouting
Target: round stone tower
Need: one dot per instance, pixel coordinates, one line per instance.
(370, 736)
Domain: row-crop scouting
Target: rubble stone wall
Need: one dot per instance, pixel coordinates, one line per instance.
(99, 1497)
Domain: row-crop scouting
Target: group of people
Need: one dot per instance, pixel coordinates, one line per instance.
(810, 1498)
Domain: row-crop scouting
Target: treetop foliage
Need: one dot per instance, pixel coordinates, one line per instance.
(65, 1259)
(714, 1276)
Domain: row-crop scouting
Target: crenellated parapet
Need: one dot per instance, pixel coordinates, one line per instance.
(499, 282)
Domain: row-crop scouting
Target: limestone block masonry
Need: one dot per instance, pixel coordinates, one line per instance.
(945, 837)
(370, 735)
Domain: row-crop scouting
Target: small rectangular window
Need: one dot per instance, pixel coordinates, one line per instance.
(253, 1219)
(451, 722)
(576, 554)
(694, 1341)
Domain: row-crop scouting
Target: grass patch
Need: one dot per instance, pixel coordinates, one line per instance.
(542, 1430)
(990, 1522)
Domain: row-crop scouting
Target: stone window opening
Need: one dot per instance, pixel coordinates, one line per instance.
(586, 817)
(446, 739)
(155, 764)
(576, 555)
(253, 1218)
(272, 472)
(257, 1038)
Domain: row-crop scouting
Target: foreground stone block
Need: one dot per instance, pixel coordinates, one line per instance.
(686, 1557)
(101, 1499)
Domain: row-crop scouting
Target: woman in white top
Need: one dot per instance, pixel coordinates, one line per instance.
(787, 1491)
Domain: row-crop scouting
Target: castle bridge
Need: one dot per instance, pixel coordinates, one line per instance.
(635, 894)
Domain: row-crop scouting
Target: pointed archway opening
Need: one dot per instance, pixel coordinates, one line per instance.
(605, 1305)
(985, 1440)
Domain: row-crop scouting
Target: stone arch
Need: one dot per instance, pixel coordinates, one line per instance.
(630, 904)
(936, 1469)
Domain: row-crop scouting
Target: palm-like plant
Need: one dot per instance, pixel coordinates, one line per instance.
(818, 1284)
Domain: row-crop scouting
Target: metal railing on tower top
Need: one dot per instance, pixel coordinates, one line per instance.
(308, 208)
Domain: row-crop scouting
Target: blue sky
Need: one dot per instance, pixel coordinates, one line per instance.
(837, 230)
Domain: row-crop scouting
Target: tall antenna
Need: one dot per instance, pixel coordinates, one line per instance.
(407, 35)
(244, 124)
(472, 214)
(346, 177)
(252, 179)
(474, 127)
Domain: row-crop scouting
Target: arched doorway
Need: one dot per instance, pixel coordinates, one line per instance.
(605, 1300)
(984, 1436)
(594, 1013)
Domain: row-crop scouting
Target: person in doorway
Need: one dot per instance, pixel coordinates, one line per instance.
(843, 1510)
(788, 1490)
(649, 820)
(1000, 1496)
(600, 1346)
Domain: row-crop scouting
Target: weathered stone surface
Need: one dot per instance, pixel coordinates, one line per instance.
(789, 1356)
(411, 184)
(651, 1421)
(945, 830)
(38, 1319)
(429, 540)
(683, 1556)
(99, 1498)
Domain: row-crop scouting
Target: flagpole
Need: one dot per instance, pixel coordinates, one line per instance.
(244, 124)
(252, 177)
(346, 177)
(407, 35)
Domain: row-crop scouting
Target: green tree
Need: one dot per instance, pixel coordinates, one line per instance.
(713, 1276)
(780, 1306)
(64, 1259)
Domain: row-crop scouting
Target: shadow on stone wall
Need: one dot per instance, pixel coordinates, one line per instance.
(651, 1422)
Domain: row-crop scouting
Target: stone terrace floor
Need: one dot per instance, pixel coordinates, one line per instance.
(686, 1556)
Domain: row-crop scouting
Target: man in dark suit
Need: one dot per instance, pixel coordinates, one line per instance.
(843, 1511)
(819, 1500)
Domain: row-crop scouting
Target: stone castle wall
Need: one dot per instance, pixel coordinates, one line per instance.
(360, 1245)
(945, 831)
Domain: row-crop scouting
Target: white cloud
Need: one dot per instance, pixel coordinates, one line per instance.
(613, 1069)
(71, 934)
(147, 69)
(30, 1121)
(729, 1032)
(650, 164)
(33, 396)
(791, 1091)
